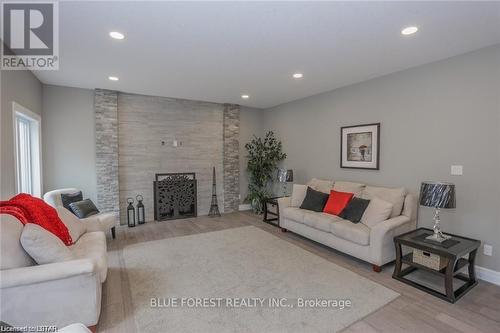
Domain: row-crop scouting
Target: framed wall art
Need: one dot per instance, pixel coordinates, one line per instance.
(360, 146)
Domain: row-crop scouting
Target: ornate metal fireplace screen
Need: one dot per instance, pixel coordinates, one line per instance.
(175, 196)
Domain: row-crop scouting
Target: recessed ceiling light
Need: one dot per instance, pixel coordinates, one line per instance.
(245, 96)
(409, 30)
(298, 76)
(113, 78)
(116, 35)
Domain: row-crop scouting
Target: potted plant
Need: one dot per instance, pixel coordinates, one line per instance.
(264, 154)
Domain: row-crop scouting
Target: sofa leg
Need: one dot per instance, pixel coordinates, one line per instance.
(376, 268)
(284, 230)
(93, 328)
(113, 232)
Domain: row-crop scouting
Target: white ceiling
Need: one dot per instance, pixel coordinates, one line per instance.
(216, 51)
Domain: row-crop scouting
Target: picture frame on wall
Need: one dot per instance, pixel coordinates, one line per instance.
(360, 146)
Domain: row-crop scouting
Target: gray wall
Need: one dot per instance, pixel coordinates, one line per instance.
(251, 123)
(68, 132)
(431, 117)
(23, 88)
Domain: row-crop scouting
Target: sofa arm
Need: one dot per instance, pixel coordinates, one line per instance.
(56, 294)
(382, 238)
(283, 203)
(100, 222)
(92, 223)
(16, 277)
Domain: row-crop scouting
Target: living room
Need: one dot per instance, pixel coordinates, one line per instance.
(144, 146)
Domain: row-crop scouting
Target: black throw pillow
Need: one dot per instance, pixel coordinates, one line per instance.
(68, 198)
(84, 208)
(314, 200)
(354, 209)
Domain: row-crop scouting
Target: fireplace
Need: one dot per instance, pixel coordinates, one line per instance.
(175, 196)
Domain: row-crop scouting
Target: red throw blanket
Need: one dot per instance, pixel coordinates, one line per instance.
(29, 209)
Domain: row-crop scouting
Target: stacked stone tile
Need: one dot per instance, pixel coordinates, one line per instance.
(231, 124)
(106, 133)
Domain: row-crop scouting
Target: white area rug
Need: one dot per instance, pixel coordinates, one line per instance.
(240, 263)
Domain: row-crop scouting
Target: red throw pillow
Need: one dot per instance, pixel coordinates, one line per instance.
(337, 202)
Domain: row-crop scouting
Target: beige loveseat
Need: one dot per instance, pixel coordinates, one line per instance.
(374, 245)
(58, 293)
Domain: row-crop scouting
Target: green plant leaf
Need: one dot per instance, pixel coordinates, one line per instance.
(263, 155)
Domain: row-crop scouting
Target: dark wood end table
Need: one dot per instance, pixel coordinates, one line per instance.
(271, 211)
(452, 256)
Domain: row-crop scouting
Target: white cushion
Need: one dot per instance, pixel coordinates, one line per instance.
(100, 222)
(75, 227)
(43, 246)
(320, 221)
(13, 254)
(295, 214)
(378, 210)
(396, 196)
(321, 185)
(298, 195)
(92, 245)
(350, 187)
(355, 232)
(75, 328)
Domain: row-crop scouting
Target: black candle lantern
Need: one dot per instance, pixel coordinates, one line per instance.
(140, 210)
(130, 213)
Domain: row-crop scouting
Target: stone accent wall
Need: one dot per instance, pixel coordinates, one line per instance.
(106, 137)
(231, 154)
(147, 128)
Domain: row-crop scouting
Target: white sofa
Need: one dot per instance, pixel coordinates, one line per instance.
(99, 222)
(59, 293)
(374, 245)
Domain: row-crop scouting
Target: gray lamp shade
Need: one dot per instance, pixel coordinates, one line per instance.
(285, 175)
(437, 195)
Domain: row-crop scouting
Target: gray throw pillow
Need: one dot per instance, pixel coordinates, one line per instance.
(84, 208)
(68, 198)
(354, 210)
(314, 200)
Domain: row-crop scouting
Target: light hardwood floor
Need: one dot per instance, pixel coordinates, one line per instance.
(413, 311)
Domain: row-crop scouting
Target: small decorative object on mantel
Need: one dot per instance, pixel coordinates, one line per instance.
(360, 146)
(437, 195)
(130, 213)
(141, 219)
(285, 176)
(214, 206)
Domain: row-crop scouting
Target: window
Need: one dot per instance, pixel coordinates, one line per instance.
(27, 149)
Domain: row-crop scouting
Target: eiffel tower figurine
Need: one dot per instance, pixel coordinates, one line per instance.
(214, 207)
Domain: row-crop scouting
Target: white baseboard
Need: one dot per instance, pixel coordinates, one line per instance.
(488, 275)
(245, 207)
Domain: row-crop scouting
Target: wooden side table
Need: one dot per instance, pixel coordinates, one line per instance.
(271, 211)
(453, 259)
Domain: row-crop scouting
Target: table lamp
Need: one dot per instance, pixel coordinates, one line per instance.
(437, 195)
(285, 176)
